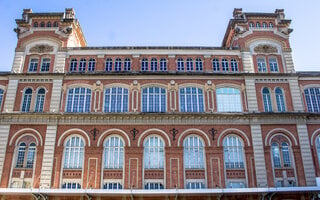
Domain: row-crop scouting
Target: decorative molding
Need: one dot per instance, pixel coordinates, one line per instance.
(271, 80)
(264, 48)
(35, 80)
(41, 48)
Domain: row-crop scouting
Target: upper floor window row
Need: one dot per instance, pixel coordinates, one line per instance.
(312, 97)
(224, 65)
(154, 64)
(34, 63)
(82, 65)
(189, 65)
(118, 64)
(261, 25)
(271, 62)
(45, 24)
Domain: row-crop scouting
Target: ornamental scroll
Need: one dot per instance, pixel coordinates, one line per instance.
(42, 48)
(264, 48)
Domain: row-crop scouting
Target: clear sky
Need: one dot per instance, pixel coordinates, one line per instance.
(166, 23)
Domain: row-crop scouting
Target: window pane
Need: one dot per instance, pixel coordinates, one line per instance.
(116, 100)
(33, 65)
(154, 99)
(280, 100)
(40, 101)
(73, 153)
(113, 153)
(153, 153)
(191, 100)
(26, 100)
(193, 153)
(229, 100)
(312, 96)
(276, 155)
(267, 100)
(233, 152)
(45, 66)
(78, 100)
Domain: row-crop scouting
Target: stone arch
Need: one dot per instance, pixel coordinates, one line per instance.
(280, 131)
(155, 131)
(32, 132)
(194, 131)
(114, 131)
(74, 131)
(236, 132)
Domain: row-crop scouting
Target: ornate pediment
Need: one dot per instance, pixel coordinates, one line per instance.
(265, 48)
(41, 48)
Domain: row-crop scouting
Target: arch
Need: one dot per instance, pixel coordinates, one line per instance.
(154, 85)
(311, 86)
(48, 40)
(194, 85)
(156, 131)
(229, 85)
(251, 44)
(234, 131)
(114, 131)
(65, 135)
(24, 130)
(202, 134)
(283, 132)
(314, 135)
(77, 85)
(111, 85)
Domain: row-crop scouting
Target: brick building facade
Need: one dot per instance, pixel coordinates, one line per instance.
(229, 122)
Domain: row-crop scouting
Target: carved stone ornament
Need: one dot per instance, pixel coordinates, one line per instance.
(42, 48)
(264, 48)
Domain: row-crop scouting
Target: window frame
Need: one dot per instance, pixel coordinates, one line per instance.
(161, 96)
(199, 65)
(111, 99)
(78, 151)
(154, 64)
(215, 65)
(273, 64)
(87, 97)
(187, 98)
(225, 99)
(33, 65)
(180, 65)
(144, 64)
(73, 65)
(82, 65)
(26, 100)
(45, 64)
(113, 153)
(92, 65)
(108, 65)
(40, 100)
(118, 65)
(312, 99)
(153, 152)
(236, 148)
(127, 64)
(280, 99)
(262, 64)
(266, 100)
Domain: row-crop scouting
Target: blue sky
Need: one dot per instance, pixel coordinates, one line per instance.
(166, 23)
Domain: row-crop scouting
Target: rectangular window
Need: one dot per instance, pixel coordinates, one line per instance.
(33, 65)
(262, 67)
(45, 65)
(273, 64)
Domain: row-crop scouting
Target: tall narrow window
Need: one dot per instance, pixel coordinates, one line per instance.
(273, 64)
(270, 25)
(113, 153)
(191, 100)
(233, 152)
(312, 96)
(267, 104)
(35, 24)
(1, 97)
(199, 66)
(225, 65)
(82, 65)
(49, 24)
(153, 153)
(127, 64)
(73, 65)
(234, 65)
(55, 24)
(154, 64)
(280, 154)
(262, 67)
(108, 65)
(42, 24)
(251, 25)
(180, 64)
(153, 99)
(26, 155)
(215, 65)
(116, 100)
(117, 65)
(280, 100)
(318, 147)
(78, 100)
(91, 65)
(26, 100)
(45, 65)
(189, 64)
(144, 64)
(276, 154)
(193, 153)
(31, 155)
(21, 155)
(258, 25)
(163, 64)
(40, 100)
(228, 100)
(73, 153)
(264, 25)
(33, 65)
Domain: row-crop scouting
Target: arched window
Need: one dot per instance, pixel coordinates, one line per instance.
(180, 64)
(233, 152)
(26, 100)
(312, 96)
(191, 99)
(1, 97)
(225, 65)
(113, 153)
(73, 153)
(127, 64)
(264, 25)
(258, 25)
(28, 152)
(42, 24)
(154, 64)
(108, 66)
(262, 67)
(318, 147)
(163, 64)
(48, 24)
(78, 100)
(35, 24)
(234, 65)
(33, 65)
(228, 100)
(267, 104)
(116, 100)
(199, 66)
(189, 64)
(273, 64)
(45, 65)
(215, 65)
(270, 25)
(153, 155)
(144, 64)
(280, 154)
(251, 25)
(40, 100)
(280, 100)
(73, 65)
(82, 65)
(193, 153)
(55, 24)
(117, 65)
(91, 65)
(154, 99)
